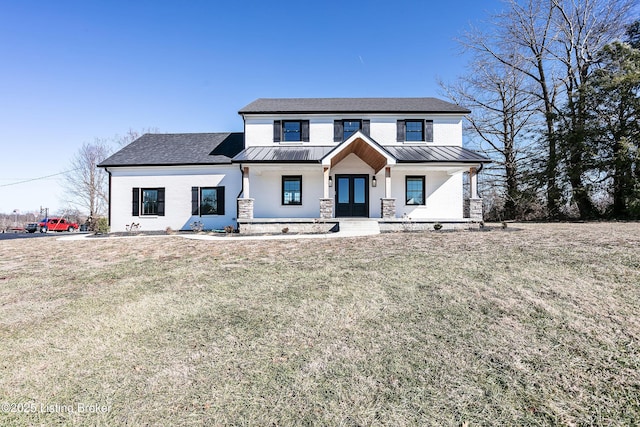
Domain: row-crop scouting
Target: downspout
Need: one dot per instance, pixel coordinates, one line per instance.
(241, 180)
(109, 202)
(477, 173)
(240, 193)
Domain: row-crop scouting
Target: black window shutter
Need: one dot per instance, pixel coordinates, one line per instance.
(338, 131)
(304, 125)
(366, 127)
(195, 195)
(135, 202)
(160, 201)
(401, 131)
(220, 200)
(428, 131)
(277, 129)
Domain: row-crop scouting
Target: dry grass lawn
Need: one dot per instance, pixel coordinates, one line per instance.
(535, 325)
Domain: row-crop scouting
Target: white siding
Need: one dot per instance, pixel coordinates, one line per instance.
(443, 194)
(177, 182)
(447, 129)
(266, 189)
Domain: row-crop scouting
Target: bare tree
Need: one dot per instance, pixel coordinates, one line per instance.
(86, 185)
(502, 112)
(552, 43)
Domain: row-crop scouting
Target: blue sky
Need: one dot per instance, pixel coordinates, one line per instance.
(74, 71)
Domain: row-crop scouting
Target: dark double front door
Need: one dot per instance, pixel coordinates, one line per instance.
(352, 195)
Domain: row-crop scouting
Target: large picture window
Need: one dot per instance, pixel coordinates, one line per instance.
(147, 201)
(292, 190)
(414, 190)
(207, 201)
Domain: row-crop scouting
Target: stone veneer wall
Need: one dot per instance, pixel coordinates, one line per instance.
(388, 208)
(326, 208)
(245, 208)
(257, 226)
(475, 210)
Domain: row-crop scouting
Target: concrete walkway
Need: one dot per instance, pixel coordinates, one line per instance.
(345, 231)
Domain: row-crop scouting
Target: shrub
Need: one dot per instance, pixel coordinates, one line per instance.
(437, 226)
(101, 225)
(285, 230)
(229, 229)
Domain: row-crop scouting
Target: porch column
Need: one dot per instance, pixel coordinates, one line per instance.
(473, 182)
(326, 208)
(475, 203)
(387, 204)
(387, 182)
(245, 182)
(245, 204)
(326, 182)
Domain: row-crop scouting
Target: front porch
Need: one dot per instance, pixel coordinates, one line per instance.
(358, 178)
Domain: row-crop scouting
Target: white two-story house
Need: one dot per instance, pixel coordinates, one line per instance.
(390, 159)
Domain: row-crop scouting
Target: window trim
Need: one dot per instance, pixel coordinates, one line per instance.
(406, 130)
(290, 178)
(338, 128)
(406, 190)
(284, 134)
(351, 120)
(196, 200)
(427, 131)
(279, 133)
(138, 202)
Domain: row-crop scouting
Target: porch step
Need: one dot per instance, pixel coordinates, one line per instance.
(359, 227)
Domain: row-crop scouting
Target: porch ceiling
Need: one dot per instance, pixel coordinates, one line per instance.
(365, 151)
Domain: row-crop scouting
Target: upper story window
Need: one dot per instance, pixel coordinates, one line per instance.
(291, 131)
(412, 130)
(343, 129)
(350, 127)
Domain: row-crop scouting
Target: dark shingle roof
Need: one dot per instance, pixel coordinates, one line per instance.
(351, 105)
(178, 149)
(403, 154)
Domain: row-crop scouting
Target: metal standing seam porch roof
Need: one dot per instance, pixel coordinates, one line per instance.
(402, 154)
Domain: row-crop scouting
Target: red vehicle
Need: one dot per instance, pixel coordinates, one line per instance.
(57, 224)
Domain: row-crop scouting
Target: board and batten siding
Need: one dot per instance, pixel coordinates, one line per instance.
(177, 182)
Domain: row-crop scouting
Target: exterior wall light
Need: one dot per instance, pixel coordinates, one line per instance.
(330, 182)
(374, 182)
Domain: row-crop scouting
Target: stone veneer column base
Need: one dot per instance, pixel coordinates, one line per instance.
(475, 210)
(245, 208)
(388, 208)
(326, 208)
